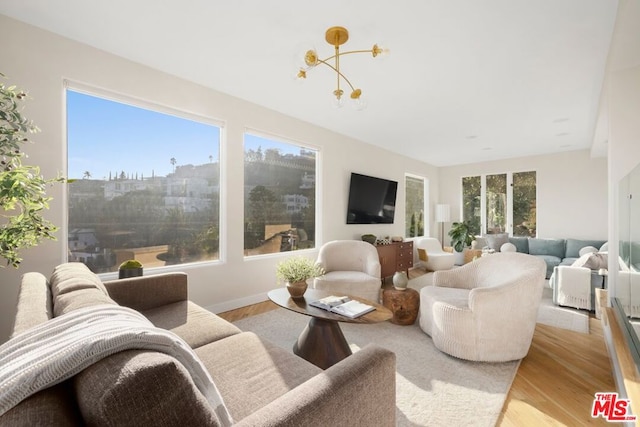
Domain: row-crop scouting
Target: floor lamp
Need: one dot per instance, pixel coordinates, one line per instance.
(442, 216)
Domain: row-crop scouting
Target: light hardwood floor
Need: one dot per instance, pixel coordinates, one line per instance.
(556, 382)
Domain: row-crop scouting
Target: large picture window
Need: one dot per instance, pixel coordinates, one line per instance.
(415, 197)
(145, 184)
(280, 195)
(500, 203)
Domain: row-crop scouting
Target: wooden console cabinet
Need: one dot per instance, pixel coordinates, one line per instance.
(397, 256)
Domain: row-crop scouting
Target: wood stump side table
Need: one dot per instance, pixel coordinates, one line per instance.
(403, 304)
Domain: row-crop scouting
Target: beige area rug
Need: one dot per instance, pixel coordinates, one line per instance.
(432, 388)
(548, 313)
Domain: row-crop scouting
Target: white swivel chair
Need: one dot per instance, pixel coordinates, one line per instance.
(351, 267)
(432, 256)
(485, 310)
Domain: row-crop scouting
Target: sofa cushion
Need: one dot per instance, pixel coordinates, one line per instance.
(574, 245)
(35, 304)
(495, 241)
(70, 301)
(191, 322)
(592, 260)
(551, 261)
(522, 244)
(553, 247)
(587, 250)
(53, 406)
(262, 374)
(137, 388)
(73, 276)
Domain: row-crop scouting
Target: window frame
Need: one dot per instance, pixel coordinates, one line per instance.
(483, 199)
(318, 187)
(145, 104)
(425, 199)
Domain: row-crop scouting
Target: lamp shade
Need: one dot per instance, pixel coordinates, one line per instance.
(443, 213)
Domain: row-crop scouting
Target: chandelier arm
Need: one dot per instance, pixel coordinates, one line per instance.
(356, 51)
(346, 53)
(322, 61)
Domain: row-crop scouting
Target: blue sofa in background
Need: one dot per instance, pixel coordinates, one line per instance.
(554, 252)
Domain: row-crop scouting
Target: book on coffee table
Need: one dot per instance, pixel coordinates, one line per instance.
(343, 305)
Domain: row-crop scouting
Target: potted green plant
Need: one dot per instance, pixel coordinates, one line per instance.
(130, 268)
(295, 272)
(22, 188)
(461, 238)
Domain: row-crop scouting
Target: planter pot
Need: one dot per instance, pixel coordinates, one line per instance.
(297, 289)
(400, 280)
(129, 272)
(459, 256)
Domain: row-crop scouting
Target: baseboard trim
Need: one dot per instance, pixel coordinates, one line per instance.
(237, 303)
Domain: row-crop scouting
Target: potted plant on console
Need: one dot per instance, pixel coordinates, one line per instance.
(295, 272)
(461, 238)
(130, 268)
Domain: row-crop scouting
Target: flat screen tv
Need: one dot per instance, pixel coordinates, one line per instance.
(371, 200)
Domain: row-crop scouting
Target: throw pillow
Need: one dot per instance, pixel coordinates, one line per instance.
(508, 247)
(593, 261)
(521, 244)
(495, 241)
(550, 247)
(587, 250)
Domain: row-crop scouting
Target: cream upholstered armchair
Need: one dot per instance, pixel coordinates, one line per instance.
(431, 255)
(351, 267)
(485, 310)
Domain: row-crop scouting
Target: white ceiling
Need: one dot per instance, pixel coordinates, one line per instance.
(465, 80)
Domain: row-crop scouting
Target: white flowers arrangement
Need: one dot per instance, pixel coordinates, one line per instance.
(298, 269)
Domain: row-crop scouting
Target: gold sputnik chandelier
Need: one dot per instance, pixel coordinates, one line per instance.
(337, 36)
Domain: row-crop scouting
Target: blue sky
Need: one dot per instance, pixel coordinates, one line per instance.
(104, 136)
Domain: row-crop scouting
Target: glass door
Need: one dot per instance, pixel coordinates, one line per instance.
(496, 204)
(524, 204)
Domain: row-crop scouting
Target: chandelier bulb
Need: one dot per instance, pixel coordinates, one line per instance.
(359, 102)
(379, 51)
(311, 58)
(338, 100)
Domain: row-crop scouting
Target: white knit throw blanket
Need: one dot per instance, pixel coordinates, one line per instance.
(58, 349)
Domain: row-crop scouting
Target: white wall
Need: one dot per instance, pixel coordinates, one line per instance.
(623, 88)
(39, 61)
(571, 191)
(624, 123)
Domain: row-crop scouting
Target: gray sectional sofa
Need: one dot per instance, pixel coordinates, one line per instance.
(260, 384)
(554, 252)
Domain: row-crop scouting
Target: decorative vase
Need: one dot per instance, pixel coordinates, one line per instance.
(297, 289)
(400, 280)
